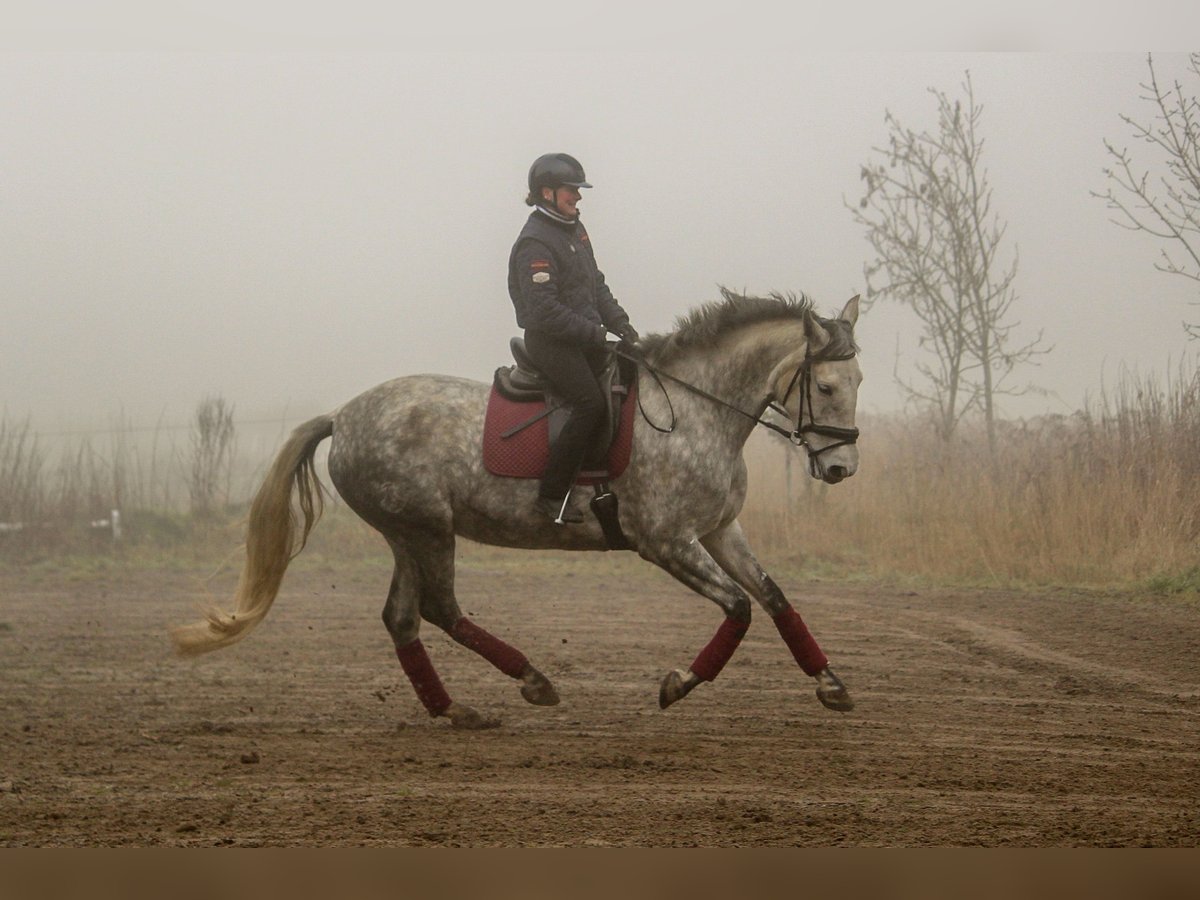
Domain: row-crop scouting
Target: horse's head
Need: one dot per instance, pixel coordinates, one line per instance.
(818, 389)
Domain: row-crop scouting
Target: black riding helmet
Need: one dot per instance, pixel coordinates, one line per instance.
(554, 170)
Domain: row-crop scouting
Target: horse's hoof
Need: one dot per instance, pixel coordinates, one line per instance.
(537, 689)
(832, 693)
(469, 719)
(677, 685)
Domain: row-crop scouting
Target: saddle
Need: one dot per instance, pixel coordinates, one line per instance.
(524, 383)
(525, 417)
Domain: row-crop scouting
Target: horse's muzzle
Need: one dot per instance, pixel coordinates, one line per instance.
(834, 474)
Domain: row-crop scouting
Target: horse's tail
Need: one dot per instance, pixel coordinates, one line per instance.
(271, 541)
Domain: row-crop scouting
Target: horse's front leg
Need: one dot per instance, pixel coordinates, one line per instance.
(729, 547)
(691, 564)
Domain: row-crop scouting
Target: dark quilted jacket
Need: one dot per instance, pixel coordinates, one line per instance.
(555, 285)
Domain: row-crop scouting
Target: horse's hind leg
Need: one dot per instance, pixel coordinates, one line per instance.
(438, 605)
(402, 619)
(730, 549)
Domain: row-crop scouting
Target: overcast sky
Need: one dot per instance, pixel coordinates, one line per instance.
(285, 221)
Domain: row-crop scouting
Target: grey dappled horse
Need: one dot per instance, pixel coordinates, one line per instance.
(407, 457)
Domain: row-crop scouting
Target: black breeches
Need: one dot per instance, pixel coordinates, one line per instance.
(572, 371)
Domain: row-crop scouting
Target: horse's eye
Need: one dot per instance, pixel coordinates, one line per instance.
(825, 389)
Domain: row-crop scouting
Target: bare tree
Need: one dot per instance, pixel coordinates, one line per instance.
(927, 209)
(1164, 199)
(212, 439)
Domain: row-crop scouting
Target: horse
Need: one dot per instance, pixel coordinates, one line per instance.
(406, 457)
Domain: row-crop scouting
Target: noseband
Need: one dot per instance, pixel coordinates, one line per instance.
(802, 377)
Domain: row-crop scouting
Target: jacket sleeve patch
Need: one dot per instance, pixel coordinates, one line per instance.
(539, 264)
(541, 277)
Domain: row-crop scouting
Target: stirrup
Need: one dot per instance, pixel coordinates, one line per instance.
(560, 513)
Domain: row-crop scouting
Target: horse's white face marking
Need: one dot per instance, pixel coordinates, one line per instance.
(834, 398)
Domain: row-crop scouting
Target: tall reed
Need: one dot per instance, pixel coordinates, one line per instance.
(21, 464)
(1107, 495)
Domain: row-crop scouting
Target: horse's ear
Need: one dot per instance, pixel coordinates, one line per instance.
(850, 311)
(818, 336)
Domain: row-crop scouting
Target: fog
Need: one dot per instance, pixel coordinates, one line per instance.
(286, 229)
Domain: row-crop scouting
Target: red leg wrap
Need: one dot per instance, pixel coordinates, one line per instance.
(509, 660)
(802, 644)
(711, 660)
(417, 666)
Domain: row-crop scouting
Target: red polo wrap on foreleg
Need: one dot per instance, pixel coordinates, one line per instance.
(419, 669)
(802, 644)
(711, 660)
(509, 660)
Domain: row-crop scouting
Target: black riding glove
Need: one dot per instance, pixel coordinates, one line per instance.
(629, 339)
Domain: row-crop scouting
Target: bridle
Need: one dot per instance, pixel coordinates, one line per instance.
(802, 377)
(798, 436)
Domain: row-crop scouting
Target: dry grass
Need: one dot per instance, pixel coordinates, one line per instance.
(53, 488)
(1108, 496)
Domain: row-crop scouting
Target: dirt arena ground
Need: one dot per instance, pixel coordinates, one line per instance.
(1044, 718)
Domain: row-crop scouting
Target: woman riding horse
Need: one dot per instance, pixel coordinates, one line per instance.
(567, 310)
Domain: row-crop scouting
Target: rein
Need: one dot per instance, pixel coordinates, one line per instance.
(798, 436)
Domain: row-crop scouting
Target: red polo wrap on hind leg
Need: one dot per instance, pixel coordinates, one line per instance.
(419, 669)
(802, 644)
(509, 660)
(711, 660)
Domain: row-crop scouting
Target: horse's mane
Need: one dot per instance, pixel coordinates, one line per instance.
(704, 325)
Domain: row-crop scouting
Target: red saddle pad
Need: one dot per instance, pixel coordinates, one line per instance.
(524, 454)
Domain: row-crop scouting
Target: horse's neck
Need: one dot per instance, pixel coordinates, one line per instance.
(741, 363)
(738, 370)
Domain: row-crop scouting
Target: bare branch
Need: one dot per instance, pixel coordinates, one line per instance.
(1165, 205)
(927, 211)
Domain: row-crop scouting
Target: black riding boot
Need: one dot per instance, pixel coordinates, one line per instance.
(571, 370)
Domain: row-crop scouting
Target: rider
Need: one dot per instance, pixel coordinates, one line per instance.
(567, 311)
